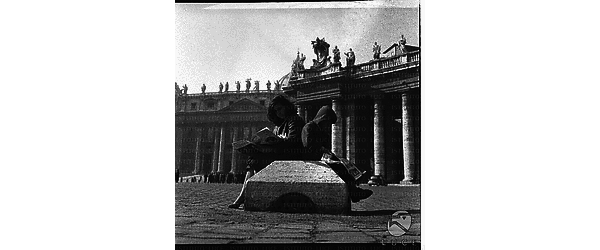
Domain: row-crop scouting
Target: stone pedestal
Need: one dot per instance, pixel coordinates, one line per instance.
(308, 186)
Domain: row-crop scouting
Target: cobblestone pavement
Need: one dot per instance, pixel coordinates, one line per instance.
(202, 217)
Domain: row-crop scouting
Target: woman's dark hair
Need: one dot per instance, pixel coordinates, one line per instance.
(289, 108)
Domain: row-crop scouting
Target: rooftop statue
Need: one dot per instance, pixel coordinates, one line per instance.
(237, 85)
(401, 46)
(301, 62)
(336, 55)
(248, 84)
(256, 86)
(350, 58)
(185, 88)
(376, 51)
(226, 86)
(268, 85)
(203, 88)
(321, 49)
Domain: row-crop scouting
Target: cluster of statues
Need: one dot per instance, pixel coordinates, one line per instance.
(238, 86)
(401, 49)
(321, 49)
(181, 91)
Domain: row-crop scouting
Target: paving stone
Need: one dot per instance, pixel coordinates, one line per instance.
(202, 217)
(274, 233)
(212, 235)
(328, 226)
(184, 220)
(189, 240)
(344, 237)
(277, 240)
(296, 226)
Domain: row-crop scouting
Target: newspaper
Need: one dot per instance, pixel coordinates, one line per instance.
(262, 138)
(331, 158)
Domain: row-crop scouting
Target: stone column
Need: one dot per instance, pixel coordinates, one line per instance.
(408, 137)
(178, 146)
(215, 163)
(234, 167)
(301, 111)
(220, 168)
(197, 157)
(336, 129)
(206, 169)
(350, 120)
(378, 144)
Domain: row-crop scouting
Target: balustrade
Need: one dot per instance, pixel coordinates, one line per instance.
(364, 67)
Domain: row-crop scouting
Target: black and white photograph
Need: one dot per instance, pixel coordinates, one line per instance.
(298, 123)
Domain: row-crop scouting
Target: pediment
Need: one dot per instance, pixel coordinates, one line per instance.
(244, 105)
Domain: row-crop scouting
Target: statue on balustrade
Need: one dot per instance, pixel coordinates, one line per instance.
(269, 85)
(301, 62)
(256, 86)
(185, 88)
(336, 55)
(203, 88)
(295, 64)
(402, 46)
(226, 86)
(237, 85)
(376, 51)
(248, 84)
(220, 87)
(349, 58)
(321, 49)
(177, 90)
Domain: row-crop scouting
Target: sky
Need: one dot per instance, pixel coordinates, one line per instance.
(233, 42)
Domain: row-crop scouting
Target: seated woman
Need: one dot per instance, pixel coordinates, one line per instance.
(314, 139)
(283, 114)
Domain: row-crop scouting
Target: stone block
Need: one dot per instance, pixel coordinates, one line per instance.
(297, 186)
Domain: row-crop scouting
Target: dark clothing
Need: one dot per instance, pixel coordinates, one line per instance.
(315, 141)
(314, 138)
(291, 132)
(290, 147)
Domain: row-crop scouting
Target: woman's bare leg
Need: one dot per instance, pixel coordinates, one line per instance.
(240, 198)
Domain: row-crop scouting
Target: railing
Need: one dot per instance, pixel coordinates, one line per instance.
(364, 67)
(235, 92)
(332, 68)
(387, 62)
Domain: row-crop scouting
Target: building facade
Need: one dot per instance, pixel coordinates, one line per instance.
(378, 107)
(206, 125)
(378, 104)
